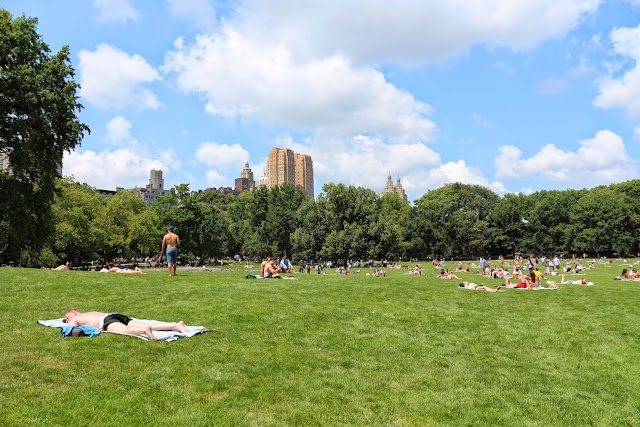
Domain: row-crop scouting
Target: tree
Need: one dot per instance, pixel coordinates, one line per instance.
(456, 219)
(38, 123)
(349, 214)
(119, 221)
(602, 223)
(76, 208)
(507, 225)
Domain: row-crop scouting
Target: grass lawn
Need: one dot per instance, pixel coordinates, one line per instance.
(322, 350)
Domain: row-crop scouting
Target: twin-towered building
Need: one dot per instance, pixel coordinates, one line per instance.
(397, 189)
(283, 165)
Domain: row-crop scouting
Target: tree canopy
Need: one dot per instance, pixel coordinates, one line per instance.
(38, 123)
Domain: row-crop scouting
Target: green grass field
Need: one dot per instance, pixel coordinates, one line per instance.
(322, 350)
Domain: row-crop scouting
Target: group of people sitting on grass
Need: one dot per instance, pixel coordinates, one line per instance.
(631, 274)
(446, 274)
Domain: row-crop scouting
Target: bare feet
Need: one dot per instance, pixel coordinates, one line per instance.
(182, 327)
(150, 333)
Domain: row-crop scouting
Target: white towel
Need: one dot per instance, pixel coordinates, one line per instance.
(160, 335)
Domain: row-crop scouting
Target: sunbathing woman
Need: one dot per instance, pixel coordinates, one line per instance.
(524, 283)
(582, 281)
(475, 287)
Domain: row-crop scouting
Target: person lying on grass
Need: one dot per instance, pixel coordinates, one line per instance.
(475, 287)
(527, 283)
(447, 275)
(582, 281)
(120, 324)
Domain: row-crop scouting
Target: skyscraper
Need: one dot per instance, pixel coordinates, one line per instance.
(280, 167)
(304, 173)
(283, 165)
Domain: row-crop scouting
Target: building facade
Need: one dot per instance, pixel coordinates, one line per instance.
(153, 190)
(283, 165)
(397, 189)
(304, 173)
(246, 181)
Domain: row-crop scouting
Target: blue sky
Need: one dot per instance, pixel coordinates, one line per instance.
(517, 96)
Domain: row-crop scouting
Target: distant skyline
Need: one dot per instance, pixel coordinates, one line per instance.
(517, 96)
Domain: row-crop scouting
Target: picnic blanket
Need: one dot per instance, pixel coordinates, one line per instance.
(160, 335)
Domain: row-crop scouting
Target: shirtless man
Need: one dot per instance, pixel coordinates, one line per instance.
(263, 266)
(119, 323)
(271, 270)
(170, 243)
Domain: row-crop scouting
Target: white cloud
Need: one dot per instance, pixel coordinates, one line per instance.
(200, 12)
(367, 161)
(598, 161)
(119, 130)
(409, 31)
(110, 169)
(249, 79)
(115, 11)
(623, 91)
(111, 78)
(216, 179)
(222, 156)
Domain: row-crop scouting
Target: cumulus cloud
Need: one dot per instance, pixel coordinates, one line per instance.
(226, 161)
(110, 169)
(222, 156)
(409, 31)
(623, 91)
(200, 12)
(216, 179)
(598, 161)
(112, 78)
(119, 131)
(119, 11)
(245, 78)
(367, 161)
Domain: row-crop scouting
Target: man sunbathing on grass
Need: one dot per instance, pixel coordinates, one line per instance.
(475, 287)
(120, 324)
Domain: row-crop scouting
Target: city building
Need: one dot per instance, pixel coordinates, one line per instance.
(4, 162)
(220, 190)
(245, 182)
(304, 173)
(397, 189)
(153, 190)
(283, 165)
(6, 165)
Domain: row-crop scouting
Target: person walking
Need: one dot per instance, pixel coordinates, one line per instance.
(170, 243)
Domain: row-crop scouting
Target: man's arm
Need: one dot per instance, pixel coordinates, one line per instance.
(164, 244)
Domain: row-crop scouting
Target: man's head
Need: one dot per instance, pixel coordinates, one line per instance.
(170, 228)
(70, 314)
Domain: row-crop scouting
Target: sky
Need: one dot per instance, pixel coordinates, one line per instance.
(517, 96)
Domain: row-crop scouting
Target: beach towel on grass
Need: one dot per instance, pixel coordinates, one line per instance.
(160, 335)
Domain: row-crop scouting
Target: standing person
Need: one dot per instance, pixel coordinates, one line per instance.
(170, 243)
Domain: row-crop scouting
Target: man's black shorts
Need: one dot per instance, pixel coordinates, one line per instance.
(115, 318)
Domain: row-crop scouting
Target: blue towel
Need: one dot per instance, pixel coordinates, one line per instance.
(66, 331)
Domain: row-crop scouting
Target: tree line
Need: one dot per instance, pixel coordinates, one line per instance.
(45, 219)
(343, 222)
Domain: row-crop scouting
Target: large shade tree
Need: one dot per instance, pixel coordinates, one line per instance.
(38, 123)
